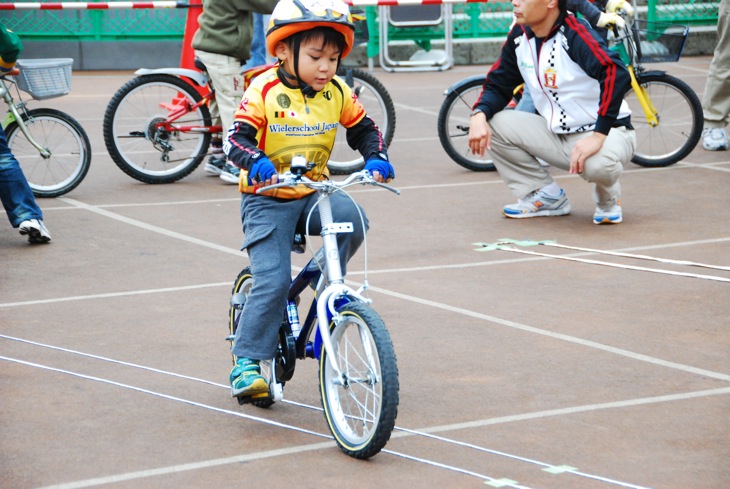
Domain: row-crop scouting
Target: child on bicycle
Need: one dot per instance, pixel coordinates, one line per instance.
(292, 110)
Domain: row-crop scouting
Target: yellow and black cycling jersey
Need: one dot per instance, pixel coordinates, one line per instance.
(278, 120)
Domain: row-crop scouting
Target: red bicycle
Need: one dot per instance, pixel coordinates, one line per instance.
(158, 128)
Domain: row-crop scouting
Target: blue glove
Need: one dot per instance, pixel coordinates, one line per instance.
(381, 166)
(261, 170)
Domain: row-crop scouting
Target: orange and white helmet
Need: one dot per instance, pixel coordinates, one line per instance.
(292, 16)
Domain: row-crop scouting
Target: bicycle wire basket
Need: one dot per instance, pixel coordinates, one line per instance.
(45, 78)
(659, 41)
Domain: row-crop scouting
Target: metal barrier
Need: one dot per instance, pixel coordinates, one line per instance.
(470, 20)
(48, 21)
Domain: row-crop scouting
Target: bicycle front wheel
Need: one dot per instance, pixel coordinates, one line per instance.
(379, 106)
(141, 141)
(66, 141)
(453, 126)
(679, 115)
(361, 407)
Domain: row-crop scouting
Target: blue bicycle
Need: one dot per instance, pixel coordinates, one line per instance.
(358, 372)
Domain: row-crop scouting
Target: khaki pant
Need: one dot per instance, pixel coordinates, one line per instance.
(716, 98)
(520, 138)
(225, 74)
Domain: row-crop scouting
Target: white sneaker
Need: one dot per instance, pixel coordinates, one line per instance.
(35, 230)
(608, 216)
(714, 139)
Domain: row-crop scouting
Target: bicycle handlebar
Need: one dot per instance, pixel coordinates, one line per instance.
(362, 177)
(12, 72)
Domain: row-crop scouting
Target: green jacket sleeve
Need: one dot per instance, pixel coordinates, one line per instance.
(10, 48)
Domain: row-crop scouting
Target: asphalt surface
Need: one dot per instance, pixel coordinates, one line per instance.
(541, 366)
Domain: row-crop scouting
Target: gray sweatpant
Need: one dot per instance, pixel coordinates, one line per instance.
(716, 97)
(521, 137)
(269, 226)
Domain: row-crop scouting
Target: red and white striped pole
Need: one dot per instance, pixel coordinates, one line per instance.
(90, 6)
(194, 3)
(191, 24)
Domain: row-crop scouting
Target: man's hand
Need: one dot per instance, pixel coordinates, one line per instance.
(480, 134)
(607, 19)
(614, 5)
(584, 149)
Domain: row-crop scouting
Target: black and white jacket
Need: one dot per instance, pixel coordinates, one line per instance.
(576, 82)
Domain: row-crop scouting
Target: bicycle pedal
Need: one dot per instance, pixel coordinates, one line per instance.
(255, 397)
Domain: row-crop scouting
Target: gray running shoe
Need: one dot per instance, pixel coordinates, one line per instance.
(538, 204)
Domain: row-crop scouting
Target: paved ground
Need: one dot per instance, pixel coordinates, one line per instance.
(546, 372)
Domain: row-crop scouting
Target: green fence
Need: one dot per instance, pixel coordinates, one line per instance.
(493, 19)
(470, 21)
(96, 25)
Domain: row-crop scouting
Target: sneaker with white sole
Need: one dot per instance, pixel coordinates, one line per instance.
(539, 204)
(612, 215)
(247, 381)
(35, 230)
(714, 139)
(230, 174)
(215, 164)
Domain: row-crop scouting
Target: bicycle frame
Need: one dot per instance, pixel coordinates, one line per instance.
(15, 116)
(626, 47)
(176, 109)
(199, 81)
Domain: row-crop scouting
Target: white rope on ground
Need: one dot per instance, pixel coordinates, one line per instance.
(231, 460)
(401, 430)
(625, 255)
(491, 247)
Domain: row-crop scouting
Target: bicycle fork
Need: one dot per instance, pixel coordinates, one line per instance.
(644, 100)
(14, 115)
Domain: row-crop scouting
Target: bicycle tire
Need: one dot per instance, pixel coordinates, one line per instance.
(360, 411)
(679, 111)
(67, 142)
(379, 106)
(453, 126)
(140, 149)
(285, 359)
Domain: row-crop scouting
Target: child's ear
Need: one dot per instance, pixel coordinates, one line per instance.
(282, 50)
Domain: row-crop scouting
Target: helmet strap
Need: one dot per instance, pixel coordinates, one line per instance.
(307, 91)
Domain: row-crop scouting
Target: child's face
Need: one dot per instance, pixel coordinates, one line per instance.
(317, 63)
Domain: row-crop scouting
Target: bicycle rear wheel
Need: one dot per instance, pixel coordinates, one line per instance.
(67, 142)
(453, 126)
(379, 106)
(360, 408)
(679, 112)
(138, 142)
